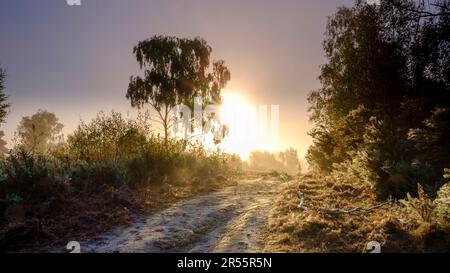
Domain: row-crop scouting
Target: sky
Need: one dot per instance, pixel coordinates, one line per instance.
(77, 60)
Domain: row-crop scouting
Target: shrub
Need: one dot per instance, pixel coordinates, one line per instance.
(447, 175)
(109, 151)
(442, 210)
(108, 137)
(430, 211)
(389, 178)
(403, 178)
(111, 172)
(91, 176)
(139, 172)
(29, 177)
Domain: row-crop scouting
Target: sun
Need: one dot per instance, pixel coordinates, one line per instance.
(235, 113)
(241, 118)
(247, 128)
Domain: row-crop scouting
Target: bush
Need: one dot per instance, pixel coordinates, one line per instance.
(29, 178)
(403, 178)
(447, 175)
(108, 137)
(91, 176)
(430, 211)
(107, 153)
(139, 171)
(442, 210)
(388, 178)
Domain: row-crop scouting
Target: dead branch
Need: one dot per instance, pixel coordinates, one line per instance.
(336, 211)
(302, 201)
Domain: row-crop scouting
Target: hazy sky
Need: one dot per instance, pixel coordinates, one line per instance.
(75, 61)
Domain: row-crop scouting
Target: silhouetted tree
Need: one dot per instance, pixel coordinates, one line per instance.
(432, 140)
(4, 105)
(387, 71)
(3, 149)
(39, 132)
(175, 71)
(290, 160)
(265, 161)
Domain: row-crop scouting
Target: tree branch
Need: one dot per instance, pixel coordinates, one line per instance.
(336, 211)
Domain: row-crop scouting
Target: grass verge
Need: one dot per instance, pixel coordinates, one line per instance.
(397, 227)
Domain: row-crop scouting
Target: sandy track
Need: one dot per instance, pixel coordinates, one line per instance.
(230, 220)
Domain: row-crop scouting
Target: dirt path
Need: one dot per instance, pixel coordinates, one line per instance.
(230, 220)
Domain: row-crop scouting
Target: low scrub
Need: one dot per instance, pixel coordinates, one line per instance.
(328, 222)
(113, 164)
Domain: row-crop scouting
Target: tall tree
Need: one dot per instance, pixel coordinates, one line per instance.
(4, 105)
(3, 148)
(175, 71)
(290, 160)
(39, 132)
(387, 73)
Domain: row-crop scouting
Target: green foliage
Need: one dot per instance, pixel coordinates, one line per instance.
(447, 174)
(432, 140)
(422, 205)
(403, 175)
(110, 150)
(92, 176)
(175, 71)
(442, 210)
(381, 115)
(30, 177)
(3, 149)
(430, 211)
(13, 199)
(356, 169)
(4, 105)
(108, 137)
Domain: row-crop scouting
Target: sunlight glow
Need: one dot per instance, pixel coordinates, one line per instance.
(248, 129)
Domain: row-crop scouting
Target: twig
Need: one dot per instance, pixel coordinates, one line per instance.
(336, 211)
(302, 201)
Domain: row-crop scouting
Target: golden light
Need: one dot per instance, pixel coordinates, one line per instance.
(246, 131)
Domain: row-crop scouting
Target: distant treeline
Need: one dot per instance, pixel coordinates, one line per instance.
(287, 161)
